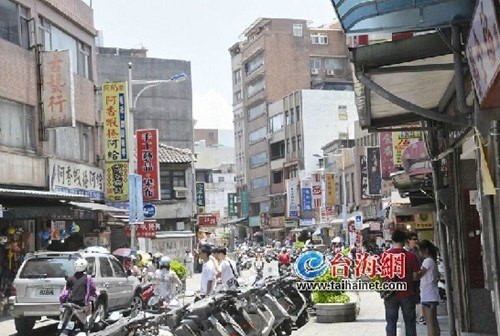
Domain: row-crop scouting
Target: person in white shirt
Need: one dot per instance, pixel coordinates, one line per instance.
(166, 280)
(429, 291)
(228, 273)
(189, 262)
(208, 272)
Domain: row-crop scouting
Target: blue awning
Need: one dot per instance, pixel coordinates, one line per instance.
(389, 16)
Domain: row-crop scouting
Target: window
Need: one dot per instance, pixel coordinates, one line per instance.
(237, 77)
(277, 177)
(297, 112)
(287, 118)
(238, 97)
(293, 171)
(255, 87)
(299, 141)
(105, 268)
(258, 160)
(352, 188)
(315, 65)
(276, 123)
(342, 109)
(335, 67)
(73, 143)
(55, 39)
(297, 30)
(90, 266)
(14, 23)
(257, 135)
(287, 146)
(260, 182)
(256, 111)
(294, 145)
(117, 268)
(169, 179)
(319, 38)
(254, 64)
(85, 146)
(342, 136)
(211, 135)
(374, 140)
(17, 126)
(292, 116)
(221, 179)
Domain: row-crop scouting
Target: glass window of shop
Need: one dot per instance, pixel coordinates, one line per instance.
(18, 125)
(54, 38)
(170, 179)
(14, 23)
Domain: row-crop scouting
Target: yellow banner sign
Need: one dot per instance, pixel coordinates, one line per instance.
(115, 110)
(401, 140)
(117, 186)
(330, 189)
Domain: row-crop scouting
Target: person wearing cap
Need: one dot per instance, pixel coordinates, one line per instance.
(208, 272)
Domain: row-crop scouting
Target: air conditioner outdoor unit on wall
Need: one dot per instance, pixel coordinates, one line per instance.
(330, 72)
(314, 71)
(180, 193)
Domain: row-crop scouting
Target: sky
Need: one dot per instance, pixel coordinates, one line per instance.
(199, 31)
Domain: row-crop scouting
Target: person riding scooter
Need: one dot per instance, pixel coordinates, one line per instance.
(166, 280)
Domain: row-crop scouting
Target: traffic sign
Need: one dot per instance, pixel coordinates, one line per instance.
(358, 223)
(149, 210)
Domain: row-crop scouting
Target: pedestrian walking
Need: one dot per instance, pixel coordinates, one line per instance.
(402, 299)
(429, 290)
(228, 273)
(412, 246)
(189, 262)
(208, 272)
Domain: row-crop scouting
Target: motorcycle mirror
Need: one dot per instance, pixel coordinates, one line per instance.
(114, 316)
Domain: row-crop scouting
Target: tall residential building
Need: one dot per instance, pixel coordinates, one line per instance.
(275, 58)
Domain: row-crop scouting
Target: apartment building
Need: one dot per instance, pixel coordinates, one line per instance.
(275, 58)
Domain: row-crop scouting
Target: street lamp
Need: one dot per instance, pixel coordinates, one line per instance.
(133, 103)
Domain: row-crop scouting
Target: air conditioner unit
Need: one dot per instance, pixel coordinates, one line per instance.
(330, 72)
(180, 192)
(314, 71)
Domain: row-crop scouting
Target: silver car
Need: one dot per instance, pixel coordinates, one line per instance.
(42, 277)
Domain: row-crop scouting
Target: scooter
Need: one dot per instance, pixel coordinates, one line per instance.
(73, 320)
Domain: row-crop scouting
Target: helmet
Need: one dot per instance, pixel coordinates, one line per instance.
(81, 265)
(11, 230)
(157, 255)
(20, 230)
(3, 240)
(165, 262)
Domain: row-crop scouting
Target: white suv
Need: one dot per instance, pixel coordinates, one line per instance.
(42, 276)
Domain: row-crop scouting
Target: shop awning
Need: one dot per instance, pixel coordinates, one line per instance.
(238, 220)
(97, 207)
(26, 193)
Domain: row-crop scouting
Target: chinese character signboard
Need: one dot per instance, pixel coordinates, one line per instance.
(231, 204)
(148, 165)
(424, 221)
(114, 96)
(401, 140)
(264, 220)
(386, 155)
(291, 198)
(74, 178)
(364, 177)
(276, 222)
(200, 194)
(245, 203)
(316, 190)
(483, 52)
(143, 230)
(207, 220)
(57, 90)
(117, 181)
(306, 195)
(330, 189)
(373, 169)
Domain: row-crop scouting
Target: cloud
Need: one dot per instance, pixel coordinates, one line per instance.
(211, 110)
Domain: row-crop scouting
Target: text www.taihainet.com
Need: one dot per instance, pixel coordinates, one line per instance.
(350, 286)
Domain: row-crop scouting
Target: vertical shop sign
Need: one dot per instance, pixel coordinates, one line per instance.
(331, 197)
(373, 169)
(231, 204)
(386, 155)
(307, 204)
(316, 190)
(200, 196)
(148, 165)
(245, 203)
(291, 195)
(117, 186)
(364, 177)
(114, 97)
(401, 140)
(136, 204)
(57, 89)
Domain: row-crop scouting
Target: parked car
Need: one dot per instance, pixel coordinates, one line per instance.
(43, 275)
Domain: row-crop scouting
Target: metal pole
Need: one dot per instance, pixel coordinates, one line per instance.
(344, 197)
(131, 145)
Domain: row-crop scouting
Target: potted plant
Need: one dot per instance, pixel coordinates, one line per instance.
(180, 270)
(333, 306)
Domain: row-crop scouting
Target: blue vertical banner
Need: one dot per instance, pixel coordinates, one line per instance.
(306, 191)
(132, 203)
(139, 198)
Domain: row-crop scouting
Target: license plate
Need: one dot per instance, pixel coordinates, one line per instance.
(69, 326)
(46, 292)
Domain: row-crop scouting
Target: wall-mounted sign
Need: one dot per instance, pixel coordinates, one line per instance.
(200, 194)
(316, 190)
(364, 177)
(401, 140)
(245, 203)
(292, 198)
(115, 110)
(331, 196)
(117, 186)
(143, 230)
(149, 210)
(74, 178)
(373, 170)
(483, 53)
(306, 188)
(207, 220)
(424, 221)
(148, 165)
(57, 89)
(386, 155)
(231, 204)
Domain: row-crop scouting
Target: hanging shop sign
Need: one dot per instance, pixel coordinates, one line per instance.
(143, 230)
(57, 89)
(245, 203)
(115, 109)
(316, 190)
(424, 221)
(276, 222)
(386, 155)
(207, 220)
(200, 194)
(330, 189)
(292, 198)
(364, 177)
(117, 184)
(306, 188)
(148, 165)
(373, 170)
(483, 53)
(74, 178)
(231, 204)
(401, 140)
(135, 203)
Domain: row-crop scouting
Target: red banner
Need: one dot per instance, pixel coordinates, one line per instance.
(207, 220)
(148, 163)
(146, 230)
